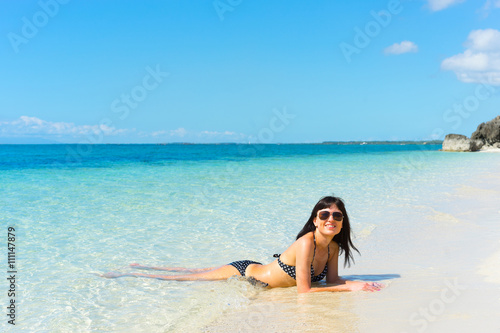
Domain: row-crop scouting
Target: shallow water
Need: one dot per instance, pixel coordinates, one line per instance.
(81, 211)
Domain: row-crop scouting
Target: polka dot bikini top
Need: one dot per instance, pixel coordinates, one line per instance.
(290, 270)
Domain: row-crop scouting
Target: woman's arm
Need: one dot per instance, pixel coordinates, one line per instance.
(350, 286)
(303, 256)
(333, 277)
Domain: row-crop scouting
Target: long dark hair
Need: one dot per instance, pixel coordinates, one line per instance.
(343, 238)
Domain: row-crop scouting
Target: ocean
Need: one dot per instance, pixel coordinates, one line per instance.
(82, 210)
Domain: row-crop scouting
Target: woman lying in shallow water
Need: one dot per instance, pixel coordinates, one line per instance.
(313, 256)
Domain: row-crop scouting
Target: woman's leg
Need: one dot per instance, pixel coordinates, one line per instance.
(220, 273)
(173, 269)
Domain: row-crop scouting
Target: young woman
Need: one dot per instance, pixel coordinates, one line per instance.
(312, 257)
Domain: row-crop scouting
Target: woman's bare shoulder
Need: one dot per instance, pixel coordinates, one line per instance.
(304, 242)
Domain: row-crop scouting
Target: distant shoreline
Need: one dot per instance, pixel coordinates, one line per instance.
(431, 142)
(339, 143)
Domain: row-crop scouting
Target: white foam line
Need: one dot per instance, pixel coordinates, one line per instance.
(490, 267)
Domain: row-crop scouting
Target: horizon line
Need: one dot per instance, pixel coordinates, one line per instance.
(250, 143)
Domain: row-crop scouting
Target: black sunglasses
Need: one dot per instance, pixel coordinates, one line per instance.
(325, 215)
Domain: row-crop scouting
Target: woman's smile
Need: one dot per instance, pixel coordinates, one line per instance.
(330, 226)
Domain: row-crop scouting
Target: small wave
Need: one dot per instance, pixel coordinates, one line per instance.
(366, 231)
(490, 268)
(443, 217)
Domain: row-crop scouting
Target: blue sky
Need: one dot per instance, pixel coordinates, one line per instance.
(246, 71)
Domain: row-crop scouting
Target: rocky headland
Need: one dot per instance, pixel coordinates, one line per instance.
(485, 138)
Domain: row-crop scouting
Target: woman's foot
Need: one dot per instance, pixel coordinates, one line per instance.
(136, 265)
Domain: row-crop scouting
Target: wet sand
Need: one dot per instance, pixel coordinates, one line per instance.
(440, 264)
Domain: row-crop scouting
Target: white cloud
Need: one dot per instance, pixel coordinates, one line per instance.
(215, 133)
(467, 61)
(403, 47)
(484, 40)
(480, 62)
(202, 136)
(180, 132)
(157, 133)
(437, 5)
(33, 126)
(488, 6)
(491, 4)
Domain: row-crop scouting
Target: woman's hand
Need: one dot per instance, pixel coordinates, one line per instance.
(362, 285)
(345, 285)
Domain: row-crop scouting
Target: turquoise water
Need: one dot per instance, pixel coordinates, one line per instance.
(85, 210)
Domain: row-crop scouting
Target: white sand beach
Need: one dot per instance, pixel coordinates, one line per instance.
(441, 275)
